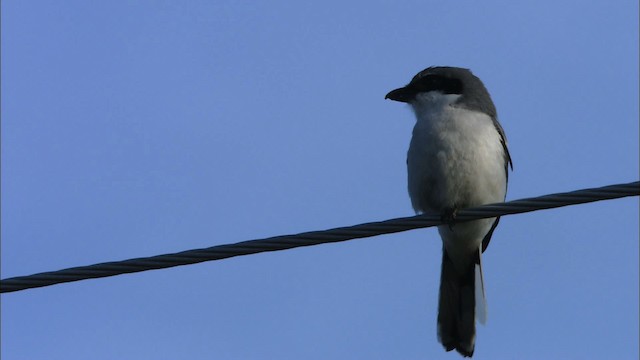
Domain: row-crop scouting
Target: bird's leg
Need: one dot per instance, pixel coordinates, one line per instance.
(448, 216)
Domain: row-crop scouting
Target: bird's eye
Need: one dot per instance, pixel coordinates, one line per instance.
(439, 83)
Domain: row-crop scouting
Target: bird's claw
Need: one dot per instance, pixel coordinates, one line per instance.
(449, 217)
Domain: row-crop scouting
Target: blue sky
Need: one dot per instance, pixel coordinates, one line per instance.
(138, 128)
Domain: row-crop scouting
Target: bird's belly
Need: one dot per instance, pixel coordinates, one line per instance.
(456, 162)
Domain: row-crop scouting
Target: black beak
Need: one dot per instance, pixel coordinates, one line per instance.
(403, 94)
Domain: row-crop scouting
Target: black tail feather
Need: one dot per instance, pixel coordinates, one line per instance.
(456, 308)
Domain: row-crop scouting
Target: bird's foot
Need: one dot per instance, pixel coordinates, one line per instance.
(448, 216)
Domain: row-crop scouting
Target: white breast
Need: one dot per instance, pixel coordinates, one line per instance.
(455, 160)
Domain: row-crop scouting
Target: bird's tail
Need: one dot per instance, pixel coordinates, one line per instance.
(457, 305)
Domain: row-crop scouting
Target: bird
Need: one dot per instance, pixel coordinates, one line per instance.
(458, 158)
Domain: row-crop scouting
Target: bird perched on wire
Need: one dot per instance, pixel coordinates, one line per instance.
(457, 158)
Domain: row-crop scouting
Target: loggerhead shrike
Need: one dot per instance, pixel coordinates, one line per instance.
(458, 158)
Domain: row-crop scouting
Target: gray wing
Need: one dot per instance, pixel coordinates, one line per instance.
(503, 140)
(507, 164)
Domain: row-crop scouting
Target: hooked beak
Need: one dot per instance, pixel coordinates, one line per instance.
(403, 94)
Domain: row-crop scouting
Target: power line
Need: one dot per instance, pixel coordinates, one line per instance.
(314, 238)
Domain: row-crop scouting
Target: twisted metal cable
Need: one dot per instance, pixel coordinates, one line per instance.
(314, 237)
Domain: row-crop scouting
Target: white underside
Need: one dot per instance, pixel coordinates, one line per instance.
(455, 160)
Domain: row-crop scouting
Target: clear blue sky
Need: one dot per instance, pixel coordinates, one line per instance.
(139, 128)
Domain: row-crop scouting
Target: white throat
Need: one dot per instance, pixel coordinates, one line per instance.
(432, 101)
